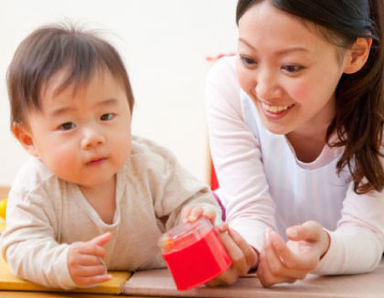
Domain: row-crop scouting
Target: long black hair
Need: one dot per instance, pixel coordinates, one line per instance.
(359, 116)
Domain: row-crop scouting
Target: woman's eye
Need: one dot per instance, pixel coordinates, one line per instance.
(107, 116)
(291, 69)
(247, 61)
(67, 126)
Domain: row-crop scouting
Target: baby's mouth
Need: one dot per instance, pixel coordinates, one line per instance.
(96, 161)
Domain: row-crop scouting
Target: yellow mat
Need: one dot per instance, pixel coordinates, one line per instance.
(10, 282)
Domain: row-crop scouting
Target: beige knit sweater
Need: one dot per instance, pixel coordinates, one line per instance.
(46, 214)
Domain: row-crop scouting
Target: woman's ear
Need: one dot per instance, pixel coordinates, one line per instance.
(357, 55)
(24, 136)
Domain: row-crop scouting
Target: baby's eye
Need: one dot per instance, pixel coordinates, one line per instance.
(292, 69)
(67, 126)
(107, 116)
(247, 61)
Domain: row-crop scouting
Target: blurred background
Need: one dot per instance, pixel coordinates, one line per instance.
(164, 45)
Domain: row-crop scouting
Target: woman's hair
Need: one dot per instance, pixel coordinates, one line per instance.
(359, 115)
(50, 49)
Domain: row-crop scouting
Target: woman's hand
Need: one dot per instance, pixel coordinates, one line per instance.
(244, 257)
(85, 263)
(288, 262)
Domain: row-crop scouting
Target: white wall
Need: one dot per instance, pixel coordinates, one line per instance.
(163, 43)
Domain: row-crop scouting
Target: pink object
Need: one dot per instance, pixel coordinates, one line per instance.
(218, 56)
(194, 254)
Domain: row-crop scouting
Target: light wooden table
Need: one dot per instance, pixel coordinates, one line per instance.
(159, 283)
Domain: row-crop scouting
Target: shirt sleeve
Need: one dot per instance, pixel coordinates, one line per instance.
(357, 244)
(174, 188)
(28, 243)
(236, 156)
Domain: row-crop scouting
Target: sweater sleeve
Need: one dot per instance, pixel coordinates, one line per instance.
(28, 243)
(174, 188)
(236, 156)
(357, 244)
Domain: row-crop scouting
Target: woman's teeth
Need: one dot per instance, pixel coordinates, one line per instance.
(274, 109)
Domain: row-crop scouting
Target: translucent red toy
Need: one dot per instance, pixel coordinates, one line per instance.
(194, 254)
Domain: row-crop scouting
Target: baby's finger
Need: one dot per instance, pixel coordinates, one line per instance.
(185, 213)
(93, 280)
(88, 260)
(92, 249)
(101, 240)
(195, 213)
(87, 271)
(210, 214)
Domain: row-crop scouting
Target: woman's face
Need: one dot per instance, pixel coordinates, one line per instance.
(289, 70)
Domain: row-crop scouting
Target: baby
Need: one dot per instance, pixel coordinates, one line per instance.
(92, 195)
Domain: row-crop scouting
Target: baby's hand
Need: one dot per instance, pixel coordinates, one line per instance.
(85, 261)
(191, 214)
(287, 262)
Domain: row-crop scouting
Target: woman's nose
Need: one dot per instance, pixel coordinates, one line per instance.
(91, 138)
(267, 86)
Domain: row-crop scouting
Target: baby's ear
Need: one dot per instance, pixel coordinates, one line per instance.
(24, 136)
(357, 55)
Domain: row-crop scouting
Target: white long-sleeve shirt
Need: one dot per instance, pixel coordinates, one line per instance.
(46, 214)
(263, 184)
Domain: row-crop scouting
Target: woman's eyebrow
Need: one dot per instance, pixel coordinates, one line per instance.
(280, 52)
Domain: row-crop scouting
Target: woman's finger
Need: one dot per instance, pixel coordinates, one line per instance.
(265, 274)
(308, 231)
(239, 263)
(248, 251)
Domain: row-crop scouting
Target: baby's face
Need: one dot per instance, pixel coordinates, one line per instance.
(85, 136)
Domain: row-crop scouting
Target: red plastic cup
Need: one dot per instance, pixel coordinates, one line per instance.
(194, 254)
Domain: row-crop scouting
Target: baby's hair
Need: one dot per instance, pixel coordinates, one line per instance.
(53, 48)
(359, 116)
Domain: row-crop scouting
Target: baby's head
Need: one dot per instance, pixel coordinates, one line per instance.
(51, 49)
(71, 103)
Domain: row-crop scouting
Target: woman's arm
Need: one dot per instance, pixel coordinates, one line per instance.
(357, 244)
(237, 157)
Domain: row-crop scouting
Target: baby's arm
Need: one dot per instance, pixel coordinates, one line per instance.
(29, 242)
(30, 246)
